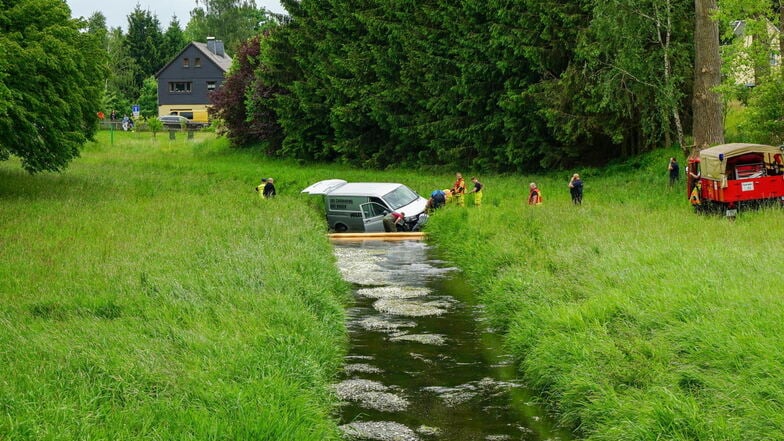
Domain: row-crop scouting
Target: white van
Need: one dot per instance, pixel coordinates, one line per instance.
(361, 206)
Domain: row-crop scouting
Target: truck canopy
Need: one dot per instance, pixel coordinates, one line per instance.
(713, 161)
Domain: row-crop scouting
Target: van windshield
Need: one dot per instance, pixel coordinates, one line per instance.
(400, 197)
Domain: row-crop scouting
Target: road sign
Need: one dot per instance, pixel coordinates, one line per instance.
(136, 110)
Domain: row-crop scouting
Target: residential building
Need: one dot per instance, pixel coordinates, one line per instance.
(185, 82)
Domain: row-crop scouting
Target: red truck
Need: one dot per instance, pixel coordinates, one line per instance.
(728, 176)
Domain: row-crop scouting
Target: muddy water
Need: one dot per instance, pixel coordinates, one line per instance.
(422, 364)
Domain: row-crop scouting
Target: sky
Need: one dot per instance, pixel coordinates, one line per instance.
(117, 12)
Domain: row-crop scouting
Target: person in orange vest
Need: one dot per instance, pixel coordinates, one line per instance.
(534, 195)
(458, 190)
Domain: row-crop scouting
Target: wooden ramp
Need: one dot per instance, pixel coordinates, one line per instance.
(377, 236)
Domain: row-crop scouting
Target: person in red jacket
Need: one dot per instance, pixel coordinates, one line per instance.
(534, 195)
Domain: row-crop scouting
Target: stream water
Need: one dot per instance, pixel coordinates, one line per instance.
(422, 364)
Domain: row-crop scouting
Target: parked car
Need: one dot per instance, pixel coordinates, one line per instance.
(178, 122)
(361, 206)
(727, 176)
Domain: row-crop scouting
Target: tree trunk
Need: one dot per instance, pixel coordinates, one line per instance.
(708, 127)
(781, 31)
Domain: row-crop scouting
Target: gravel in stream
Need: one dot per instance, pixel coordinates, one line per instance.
(379, 431)
(428, 339)
(370, 395)
(410, 308)
(384, 325)
(361, 368)
(393, 292)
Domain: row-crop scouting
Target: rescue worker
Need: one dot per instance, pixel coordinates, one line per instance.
(534, 195)
(674, 171)
(269, 189)
(394, 221)
(477, 191)
(437, 200)
(458, 190)
(576, 189)
(260, 188)
(696, 187)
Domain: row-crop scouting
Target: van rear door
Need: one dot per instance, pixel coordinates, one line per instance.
(373, 217)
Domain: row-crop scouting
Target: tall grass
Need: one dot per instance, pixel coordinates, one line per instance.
(635, 318)
(148, 293)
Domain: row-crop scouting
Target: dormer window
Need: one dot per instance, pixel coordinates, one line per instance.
(197, 62)
(186, 62)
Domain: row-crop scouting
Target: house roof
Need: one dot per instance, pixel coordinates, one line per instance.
(222, 61)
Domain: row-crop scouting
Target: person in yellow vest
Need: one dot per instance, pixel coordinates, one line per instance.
(534, 195)
(458, 190)
(260, 188)
(477, 191)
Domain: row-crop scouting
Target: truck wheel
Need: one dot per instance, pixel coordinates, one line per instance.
(340, 228)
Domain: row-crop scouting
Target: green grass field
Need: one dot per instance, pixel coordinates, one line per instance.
(147, 293)
(634, 317)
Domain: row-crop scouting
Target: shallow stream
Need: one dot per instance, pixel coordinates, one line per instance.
(422, 364)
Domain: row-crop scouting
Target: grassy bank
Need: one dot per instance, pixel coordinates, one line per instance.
(147, 293)
(637, 319)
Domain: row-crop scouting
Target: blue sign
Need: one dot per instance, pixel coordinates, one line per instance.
(135, 108)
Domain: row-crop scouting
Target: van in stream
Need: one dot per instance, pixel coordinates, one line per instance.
(361, 206)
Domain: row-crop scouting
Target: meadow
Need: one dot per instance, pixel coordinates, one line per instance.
(148, 293)
(635, 318)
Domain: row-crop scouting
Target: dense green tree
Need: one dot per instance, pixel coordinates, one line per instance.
(51, 76)
(148, 98)
(498, 84)
(121, 86)
(243, 101)
(145, 44)
(232, 21)
(173, 40)
(765, 117)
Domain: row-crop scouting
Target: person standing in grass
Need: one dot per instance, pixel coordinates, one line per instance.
(260, 187)
(674, 170)
(534, 194)
(458, 190)
(576, 189)
(477, 191)
(269, 189)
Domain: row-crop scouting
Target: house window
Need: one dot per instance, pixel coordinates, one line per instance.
(186, 62)
(197, 62)
(210, 85)
(180, 87)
